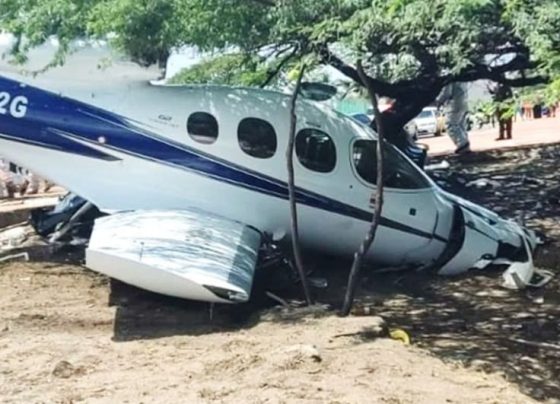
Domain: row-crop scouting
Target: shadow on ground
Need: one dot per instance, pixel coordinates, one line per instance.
(469, 320)
(474, 321)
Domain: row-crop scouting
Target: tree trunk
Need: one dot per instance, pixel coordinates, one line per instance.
(292, 193)
(403, 110)
(378, 196)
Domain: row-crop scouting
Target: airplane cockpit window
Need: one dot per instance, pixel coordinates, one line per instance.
(203, 127)
(316, 150)
(257, 138)
(398, 171)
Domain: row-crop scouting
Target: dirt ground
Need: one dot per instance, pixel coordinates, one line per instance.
(68, 335)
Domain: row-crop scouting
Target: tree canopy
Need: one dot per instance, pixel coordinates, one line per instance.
(410, 49)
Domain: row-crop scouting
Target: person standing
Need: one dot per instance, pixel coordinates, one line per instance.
(528, 109)
(552, 109)
(503, 97)
(519, 112)
(454, 97)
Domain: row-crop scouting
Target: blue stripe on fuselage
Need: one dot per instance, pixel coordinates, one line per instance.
(56, 122)
(49, 113)
(35, 127)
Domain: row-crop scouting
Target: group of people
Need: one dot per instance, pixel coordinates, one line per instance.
(529, 110)
(455, 101)
(455, 98)
(14, 179)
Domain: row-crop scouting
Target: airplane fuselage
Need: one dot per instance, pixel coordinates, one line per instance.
(222, 150)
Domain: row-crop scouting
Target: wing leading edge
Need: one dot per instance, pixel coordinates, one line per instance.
(188, 254)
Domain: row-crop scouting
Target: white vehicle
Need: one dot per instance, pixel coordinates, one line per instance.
(427, 122)
(410, 127)
(193, 177)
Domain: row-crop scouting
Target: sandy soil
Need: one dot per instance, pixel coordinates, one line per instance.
(67, 335)
(57, 344)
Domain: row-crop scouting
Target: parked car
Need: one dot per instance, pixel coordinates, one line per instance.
(430, 122)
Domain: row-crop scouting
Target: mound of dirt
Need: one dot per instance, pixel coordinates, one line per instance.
(57, 343)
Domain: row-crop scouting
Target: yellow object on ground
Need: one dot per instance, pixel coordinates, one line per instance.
(400, 335)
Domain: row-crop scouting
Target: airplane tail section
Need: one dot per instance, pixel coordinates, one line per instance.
(32, 116)
(48, 133)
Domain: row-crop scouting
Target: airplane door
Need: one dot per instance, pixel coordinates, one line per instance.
(410, 209)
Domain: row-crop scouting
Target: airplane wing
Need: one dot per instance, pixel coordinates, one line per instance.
(182, 253)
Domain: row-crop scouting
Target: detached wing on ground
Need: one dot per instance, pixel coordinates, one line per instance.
(186, 253)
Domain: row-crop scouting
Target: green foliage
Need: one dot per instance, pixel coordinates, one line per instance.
(398, 39)
(38, 20)
(552, 93)
(549, 95)
(538, 23)
(146, 30)
(486, 108)
(230, 69)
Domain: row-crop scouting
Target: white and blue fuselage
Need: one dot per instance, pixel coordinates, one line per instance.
(132, 149)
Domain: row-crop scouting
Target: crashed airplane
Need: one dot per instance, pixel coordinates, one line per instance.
(194, 178)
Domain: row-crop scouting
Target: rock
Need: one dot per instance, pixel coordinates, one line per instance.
(64, 370)
(376, 326)
(483, 183)
(481, 365)
(297, 356)
(533, 181)
(296, 313)
(523, 315)
(305, 351)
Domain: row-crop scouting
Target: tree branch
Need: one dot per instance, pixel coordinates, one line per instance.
(377, 196)
(524, 81)
(282, 63)
(520, 62)
(291, 190)
(331, 59)
(268, 3)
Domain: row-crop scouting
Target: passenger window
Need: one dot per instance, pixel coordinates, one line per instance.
(315, 150)
(257, 138)
(398, 171)
(202, 127)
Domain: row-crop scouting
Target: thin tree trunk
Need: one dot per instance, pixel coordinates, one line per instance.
(378, 197)
(292, 193)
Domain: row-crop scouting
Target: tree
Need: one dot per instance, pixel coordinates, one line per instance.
(410, 49)
(413, 48)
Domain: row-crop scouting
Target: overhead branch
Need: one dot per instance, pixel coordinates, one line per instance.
(519, 63)
(395, 90)
(273, 73)
(427, 60)
(524, 81)
(380, 87)
(268, 3)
